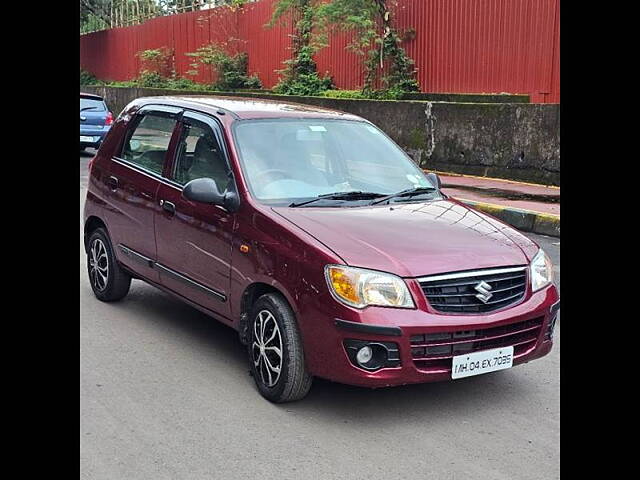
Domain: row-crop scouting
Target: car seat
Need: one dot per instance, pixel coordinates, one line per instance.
(208, 162)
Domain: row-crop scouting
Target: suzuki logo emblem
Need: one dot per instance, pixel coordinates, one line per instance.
(483, 291)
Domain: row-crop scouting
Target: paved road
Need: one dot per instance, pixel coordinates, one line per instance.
(165, 394)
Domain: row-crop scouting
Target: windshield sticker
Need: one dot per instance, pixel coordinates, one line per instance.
(317, 128)
(307, 136)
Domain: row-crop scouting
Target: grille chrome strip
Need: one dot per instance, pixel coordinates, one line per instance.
(494, 291)
(474, 282)
(475, 273)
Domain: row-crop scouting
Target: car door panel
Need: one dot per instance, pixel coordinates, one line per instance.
(130, 214)
(194, 243)
(194, 240)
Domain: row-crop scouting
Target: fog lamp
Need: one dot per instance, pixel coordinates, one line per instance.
(364, 355)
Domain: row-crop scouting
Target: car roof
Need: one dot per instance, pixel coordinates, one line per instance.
(248, 108)
(91, 96)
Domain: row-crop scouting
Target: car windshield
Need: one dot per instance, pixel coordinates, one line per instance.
(287, 162)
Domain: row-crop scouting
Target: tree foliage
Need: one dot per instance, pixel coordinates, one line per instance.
(300, 75)
(376, 38)
(389, 71)
(231, 68)
(94, 15)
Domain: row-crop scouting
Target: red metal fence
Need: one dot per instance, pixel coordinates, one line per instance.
(461, 46)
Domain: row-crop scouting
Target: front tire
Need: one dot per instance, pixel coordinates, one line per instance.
(108, 280)
(276, 356)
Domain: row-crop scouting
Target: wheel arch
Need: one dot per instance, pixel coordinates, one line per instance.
(90, 225)
(249, 296)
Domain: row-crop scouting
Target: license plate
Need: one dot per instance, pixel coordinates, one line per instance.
(86, 139)
(482, 362)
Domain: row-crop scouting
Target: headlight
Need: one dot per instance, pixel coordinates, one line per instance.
(541, 271)
(360, 288)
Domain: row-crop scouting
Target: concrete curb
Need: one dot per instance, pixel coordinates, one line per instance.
(525, 220)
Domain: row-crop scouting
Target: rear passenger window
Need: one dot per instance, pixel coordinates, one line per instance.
(147, 145)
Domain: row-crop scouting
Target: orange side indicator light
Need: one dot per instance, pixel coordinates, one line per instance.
(244, 248)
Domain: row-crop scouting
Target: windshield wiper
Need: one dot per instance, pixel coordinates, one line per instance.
(88, 108)
(355, 195)
(410, 192)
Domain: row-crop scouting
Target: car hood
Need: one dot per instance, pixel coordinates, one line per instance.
(414, 239)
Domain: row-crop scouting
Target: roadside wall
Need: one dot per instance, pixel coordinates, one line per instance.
(517, 141)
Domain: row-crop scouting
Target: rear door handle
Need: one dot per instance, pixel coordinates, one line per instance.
(113, 183)
(168, 206)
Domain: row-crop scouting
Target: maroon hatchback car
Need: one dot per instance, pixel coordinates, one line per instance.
(318, 239)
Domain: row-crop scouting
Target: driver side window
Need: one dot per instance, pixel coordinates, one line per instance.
(200, 156)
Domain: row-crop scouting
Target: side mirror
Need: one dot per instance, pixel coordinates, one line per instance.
(205, 190)
(435, 179)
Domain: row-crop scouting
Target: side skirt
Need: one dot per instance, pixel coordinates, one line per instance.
(214, 315)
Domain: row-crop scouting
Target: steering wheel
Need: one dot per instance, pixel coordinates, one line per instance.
(272, 171)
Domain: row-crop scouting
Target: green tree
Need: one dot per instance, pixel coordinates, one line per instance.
(94, 15)
(300, 76)
(376, 38)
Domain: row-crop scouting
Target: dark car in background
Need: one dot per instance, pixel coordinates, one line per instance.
(95, 120)
(316, 237)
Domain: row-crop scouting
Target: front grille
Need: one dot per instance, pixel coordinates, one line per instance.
(435, 350)
(458, 292)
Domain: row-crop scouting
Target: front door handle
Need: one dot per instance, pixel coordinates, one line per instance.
(168, 206)
(113, 183)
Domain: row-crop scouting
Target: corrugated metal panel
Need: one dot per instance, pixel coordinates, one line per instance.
(470, 46)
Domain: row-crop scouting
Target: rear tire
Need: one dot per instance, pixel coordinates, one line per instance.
(273, 328)
(108, 280)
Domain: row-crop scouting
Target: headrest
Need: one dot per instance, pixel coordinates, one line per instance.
(206, 147)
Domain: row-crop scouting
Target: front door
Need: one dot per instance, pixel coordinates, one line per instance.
(134, 177)
(194, 240)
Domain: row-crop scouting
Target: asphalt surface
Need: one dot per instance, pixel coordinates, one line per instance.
(165, 394)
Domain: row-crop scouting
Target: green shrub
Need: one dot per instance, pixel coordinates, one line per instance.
(344, 94)
(305, 84)
(160, 61)
(394, 93)
(231, 69)
(179, 83)
(127, 83)
(87, 78)
(149, 79)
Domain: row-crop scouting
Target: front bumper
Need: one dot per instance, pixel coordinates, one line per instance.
(327, 357)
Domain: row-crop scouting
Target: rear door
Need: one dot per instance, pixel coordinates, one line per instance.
(194, 240)
(133, 180)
